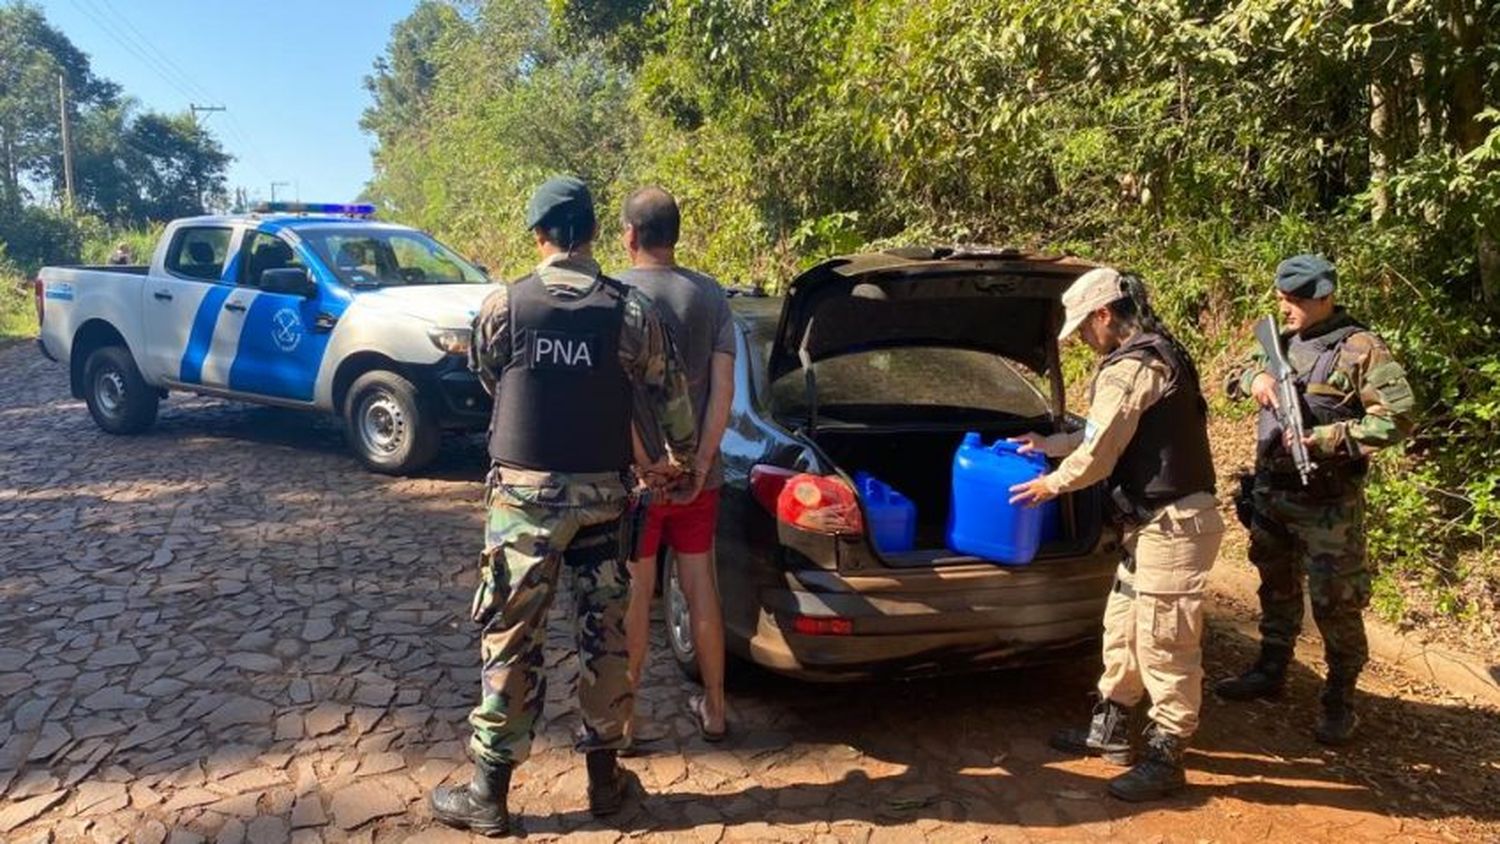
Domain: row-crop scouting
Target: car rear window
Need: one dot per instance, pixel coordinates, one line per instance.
(931, 379)
(199, 253)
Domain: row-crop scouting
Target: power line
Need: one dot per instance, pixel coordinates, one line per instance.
(120, 38)
(163, 68)
(165, 59)
(253, 158)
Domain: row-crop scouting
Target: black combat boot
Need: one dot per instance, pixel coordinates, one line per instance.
(478, 806)
(1337, 725)
(1106, 736)
(1266, 678)
(609, 784)
(1159, 774)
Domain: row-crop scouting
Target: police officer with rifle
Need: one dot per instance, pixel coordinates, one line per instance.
(1330, 395)
(566, 352)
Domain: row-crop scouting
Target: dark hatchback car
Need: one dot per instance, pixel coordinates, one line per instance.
(879, 363)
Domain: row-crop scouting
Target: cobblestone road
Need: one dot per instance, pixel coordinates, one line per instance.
(224, 630)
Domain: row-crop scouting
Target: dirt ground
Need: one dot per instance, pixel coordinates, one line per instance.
(224, 630)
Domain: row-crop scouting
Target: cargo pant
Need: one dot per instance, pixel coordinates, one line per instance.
(1295, 535)
(1153, 623)
(533, 535)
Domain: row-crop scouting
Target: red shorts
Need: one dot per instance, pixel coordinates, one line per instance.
(687, 528)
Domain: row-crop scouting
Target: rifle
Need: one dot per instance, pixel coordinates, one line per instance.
(1288, 407)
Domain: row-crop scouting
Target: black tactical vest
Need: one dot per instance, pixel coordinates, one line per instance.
(1313, 359)
(563, 400)
(1168, 458)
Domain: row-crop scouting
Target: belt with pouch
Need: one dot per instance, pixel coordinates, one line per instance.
(1327, 482)
(1129, 513)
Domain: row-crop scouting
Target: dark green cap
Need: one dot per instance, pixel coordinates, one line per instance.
(562, 201)
(1306, 277)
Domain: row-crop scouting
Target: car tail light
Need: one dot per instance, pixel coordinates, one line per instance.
(819, 503)
(813, 625)
(40, 291)
(766, 483)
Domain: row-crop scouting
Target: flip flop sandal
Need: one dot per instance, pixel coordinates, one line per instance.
(698, 705)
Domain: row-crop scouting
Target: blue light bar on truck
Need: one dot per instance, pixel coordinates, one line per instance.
(354, 210)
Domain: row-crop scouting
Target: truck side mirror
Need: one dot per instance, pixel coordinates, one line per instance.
(290, 280)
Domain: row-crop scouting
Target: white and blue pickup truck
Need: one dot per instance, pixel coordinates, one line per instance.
(297, 305)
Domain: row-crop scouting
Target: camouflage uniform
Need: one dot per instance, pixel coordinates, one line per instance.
(1318, 531)
(539, 523)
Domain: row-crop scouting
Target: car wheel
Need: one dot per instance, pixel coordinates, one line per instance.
(679, 621)
(387, 424)
(118, 398)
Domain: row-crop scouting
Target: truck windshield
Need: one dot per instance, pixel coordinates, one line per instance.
(364, 258)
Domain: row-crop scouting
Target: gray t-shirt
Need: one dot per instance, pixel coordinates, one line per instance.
(696, 312)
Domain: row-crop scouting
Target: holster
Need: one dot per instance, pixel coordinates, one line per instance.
(1244, 500)
(1126, 513)
(633, 521)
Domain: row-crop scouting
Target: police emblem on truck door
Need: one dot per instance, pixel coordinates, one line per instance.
(286, 329)
(560, 350)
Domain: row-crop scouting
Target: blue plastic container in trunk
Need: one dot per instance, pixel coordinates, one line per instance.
(893, 518)
(982, 521)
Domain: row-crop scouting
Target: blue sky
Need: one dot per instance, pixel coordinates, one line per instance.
(289, 73)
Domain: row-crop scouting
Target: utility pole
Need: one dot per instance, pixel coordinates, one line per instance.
(67, 142)
(195, 109)
(274, 186)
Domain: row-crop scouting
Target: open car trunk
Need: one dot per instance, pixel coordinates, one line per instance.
(918, 463)
(884, 360)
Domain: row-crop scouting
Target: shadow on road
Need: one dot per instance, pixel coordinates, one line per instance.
(973, 749)
(237, 571)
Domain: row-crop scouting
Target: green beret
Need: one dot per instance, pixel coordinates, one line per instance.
(1306, 277)
(564, 201)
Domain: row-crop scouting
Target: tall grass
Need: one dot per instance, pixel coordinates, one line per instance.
(17, 307)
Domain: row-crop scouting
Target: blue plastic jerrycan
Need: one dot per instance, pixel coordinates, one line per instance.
(982, 521)
(893, 517)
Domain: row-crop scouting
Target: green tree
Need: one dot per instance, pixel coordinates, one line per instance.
(503, 106)
(405, 76)
(32, 56)
(177, 166)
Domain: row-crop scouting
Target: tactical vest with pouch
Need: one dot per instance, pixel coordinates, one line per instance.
(1314, 360)
(1169, 456)
(564, 400)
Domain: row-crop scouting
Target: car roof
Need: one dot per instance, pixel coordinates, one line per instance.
(295, 221)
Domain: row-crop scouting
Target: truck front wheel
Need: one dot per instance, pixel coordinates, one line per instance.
(388, 425)
(118, 397)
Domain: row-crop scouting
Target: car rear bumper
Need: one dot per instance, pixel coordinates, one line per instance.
(935, 621)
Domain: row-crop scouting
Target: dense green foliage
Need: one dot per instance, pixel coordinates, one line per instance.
(129, 166)
(1198, 141)
(1199, 144)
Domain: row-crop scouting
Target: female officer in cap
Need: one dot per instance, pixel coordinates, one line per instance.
(1147, 434)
